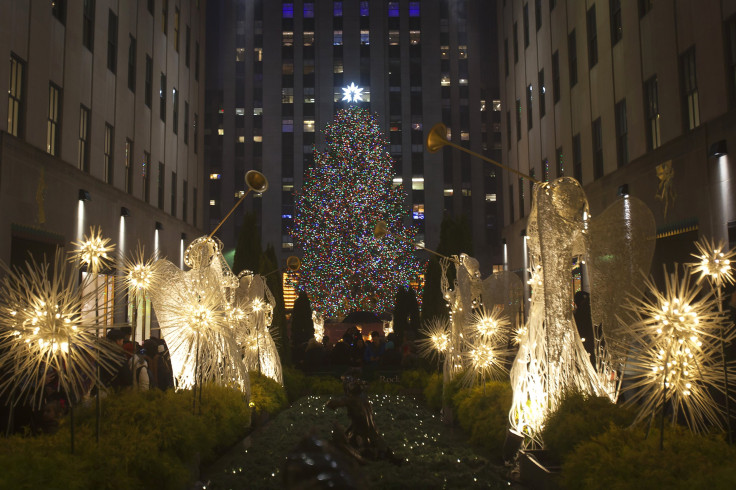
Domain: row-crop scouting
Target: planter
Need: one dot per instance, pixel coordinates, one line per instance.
(539, 470)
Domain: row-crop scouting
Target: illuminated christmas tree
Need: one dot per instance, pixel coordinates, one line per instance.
(349, 189)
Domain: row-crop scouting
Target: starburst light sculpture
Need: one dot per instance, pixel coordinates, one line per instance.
(715, 262)
(140, 275)
(435, 338)
(676, 336)
(94, 251)
(45, 334)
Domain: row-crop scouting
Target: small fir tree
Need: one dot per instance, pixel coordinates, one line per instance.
(269, 264)
(350, 188)
(248, 250)
(302, 327)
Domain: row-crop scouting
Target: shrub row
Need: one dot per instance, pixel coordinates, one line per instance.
(148, 439)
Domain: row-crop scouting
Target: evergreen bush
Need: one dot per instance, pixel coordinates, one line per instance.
(482, 412)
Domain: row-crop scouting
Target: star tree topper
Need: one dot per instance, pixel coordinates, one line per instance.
(352, 93)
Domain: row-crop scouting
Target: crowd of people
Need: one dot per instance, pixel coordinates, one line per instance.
(136, 366)
(354, 350)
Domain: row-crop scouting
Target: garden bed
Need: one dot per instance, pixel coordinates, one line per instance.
(433, 455)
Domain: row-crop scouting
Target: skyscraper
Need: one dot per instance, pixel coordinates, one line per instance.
(276, 76)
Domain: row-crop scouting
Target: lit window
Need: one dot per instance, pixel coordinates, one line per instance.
(445, 52)
(221, 132)
(257, 138)
(416, 126)
(490, 198)
(287, 95)
(413, 9)
(308, 126)
(287, 38)
(418, 211)
(258, 111)
(364, 9)
(447, 192)
(239, 54)
(287, 68)
(417, 183)
(308, 10)
(337, 38)
(287, 187)
(241, 139)
(462, 52)
(240, 111)
(414, 37)
(215, 176)
(393, 9)
(482, 105)
(258, 54)
(393, 38)
(287, 126)
(445, 80)
(449, 134)
(462, 81)
(337, 9)
(337, 67)
(464, 136)
(365, 37)
(308, 38)
(212, 202)
(287, 10)
(497, 106)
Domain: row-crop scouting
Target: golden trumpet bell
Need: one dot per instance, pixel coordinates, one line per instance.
(437, 137)
(256, 181)
(293, 263)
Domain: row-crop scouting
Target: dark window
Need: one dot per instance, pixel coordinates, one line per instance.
(58, 10)
(689, 85)
(560, 162)
(555, 77)
(511, 203)
(194, 206)
(545, 170)
(552, 5)
(577, 159)
(175, 114)
(529, 98)
(165, 18)
(518, 119)
(651, 108)
(177, 18)
(54, 120)
(572, 56)
(516, 43)
(597, 149)
(196, 60)
(160, 186)
(187, 46)
(645, 6)
(592, 38)
(162, 98)
(521, 197)
(506, 56)
(617, 30)
(538, 13)
(112, 42)
(131, 64)
(88, 24)
(83, 158)
(186, 122)
(508, 129)
(526, 25)
(622, 145)
(109, 169)
(730, 31)
(195, 127)
(542, 91)
(16, 96)
(146, 176)
(173, 194)
(149, 81)
(129, 166)
(184, 200)
(150, 4)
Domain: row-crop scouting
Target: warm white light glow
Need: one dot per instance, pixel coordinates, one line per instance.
(93, 251)
(352, 93)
